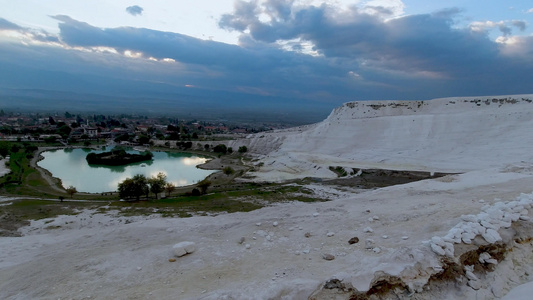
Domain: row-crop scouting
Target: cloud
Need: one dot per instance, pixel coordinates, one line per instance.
(530, 11)
(520, 24)
(287, 51)
(6, 25)
(134, 10)
(417, 43)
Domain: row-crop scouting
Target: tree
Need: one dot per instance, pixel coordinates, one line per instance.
(157, 183)
(243, 149)
(144, 139)
(169, 188)
(71, 190)
(204, 185)
(220, 148)
(64, 131)
(50, 140)
(133, 187)
(5, 148)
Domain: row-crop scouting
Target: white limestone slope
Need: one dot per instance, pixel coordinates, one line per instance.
(448, 134)
(406, 232)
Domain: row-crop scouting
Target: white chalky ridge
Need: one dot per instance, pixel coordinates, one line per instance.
(487, 223)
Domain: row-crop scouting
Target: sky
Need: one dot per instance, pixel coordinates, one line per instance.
(306, 51)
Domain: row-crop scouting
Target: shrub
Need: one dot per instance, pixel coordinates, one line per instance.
(228, 170)
(243, 149)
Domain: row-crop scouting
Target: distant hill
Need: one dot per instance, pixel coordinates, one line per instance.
(448, 135)
(186, 103)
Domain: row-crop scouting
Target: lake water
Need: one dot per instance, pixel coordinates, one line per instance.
(70, 166)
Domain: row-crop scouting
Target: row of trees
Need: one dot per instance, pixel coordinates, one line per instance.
(139, 185)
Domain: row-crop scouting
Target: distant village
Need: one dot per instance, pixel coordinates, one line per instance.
(67, 128)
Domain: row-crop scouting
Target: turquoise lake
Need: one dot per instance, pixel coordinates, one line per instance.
(70, 166)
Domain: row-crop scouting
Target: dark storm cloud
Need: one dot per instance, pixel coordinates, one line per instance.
(360, 55)
(182, 48)
(419, 42)
(520, 24)
(36, 35)
(6, 25)
(134, 10)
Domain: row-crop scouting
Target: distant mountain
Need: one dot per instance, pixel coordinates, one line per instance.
(194, 104)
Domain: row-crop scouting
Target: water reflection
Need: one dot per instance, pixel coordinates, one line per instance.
(72, 168)
(193, 161)
(122, 169)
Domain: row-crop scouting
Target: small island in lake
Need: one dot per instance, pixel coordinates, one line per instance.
(117, 157)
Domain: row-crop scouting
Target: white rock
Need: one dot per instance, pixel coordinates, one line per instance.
(247, 246)
(449, 250)
(275, 224)
(467, 237)
(492, 236)
(469, 218)
(368, 230)
(525, 218)
(437, 249)
(405, 237)
(375, 218)
(330, 234)
(474, 284)
(258, 224)
(471, 276)
(385, 237)
(483, 257)
(184, 248)
(316, 214)
(268, 238)
(376, 250)
(497, 289)
(489, 225)
(437, 240)
(370, 219)
(262, 233)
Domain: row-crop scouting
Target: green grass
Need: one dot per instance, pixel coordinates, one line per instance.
(224, 196)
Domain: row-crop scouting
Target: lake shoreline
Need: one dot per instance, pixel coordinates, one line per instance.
(55, 181)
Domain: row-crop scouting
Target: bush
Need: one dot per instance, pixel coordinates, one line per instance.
(228, 170)
(243, 149)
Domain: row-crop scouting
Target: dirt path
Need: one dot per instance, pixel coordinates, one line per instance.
(54, 183)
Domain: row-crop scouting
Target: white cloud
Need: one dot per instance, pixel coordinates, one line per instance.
(354, 75)
(530, 11)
